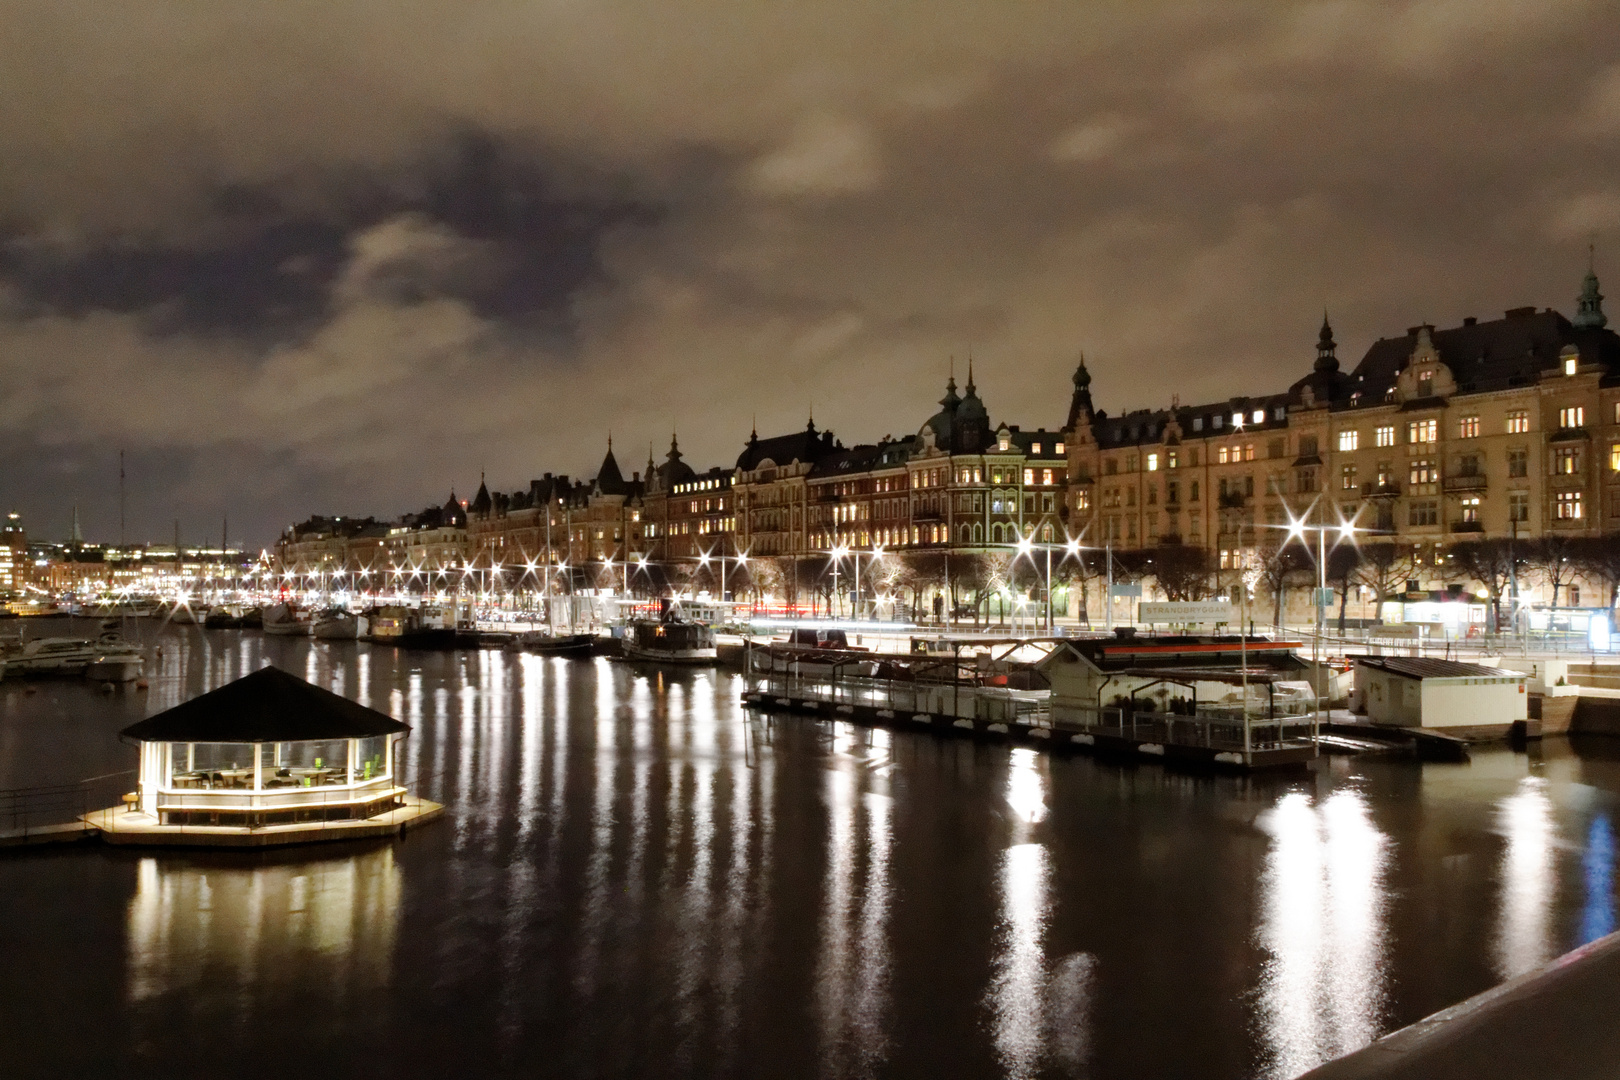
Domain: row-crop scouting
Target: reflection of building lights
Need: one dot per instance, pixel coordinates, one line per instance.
(1018, 990)
(1322, 920)
(1524, 939)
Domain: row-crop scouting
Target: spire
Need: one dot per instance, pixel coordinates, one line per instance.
(970, 374)
(1080, 404)
(1326, 358)
(950, 401)
(1589, 305)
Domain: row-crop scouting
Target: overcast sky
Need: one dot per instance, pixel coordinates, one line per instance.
(338, 256)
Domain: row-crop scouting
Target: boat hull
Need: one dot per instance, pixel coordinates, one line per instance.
(694, 657)
(117, 669)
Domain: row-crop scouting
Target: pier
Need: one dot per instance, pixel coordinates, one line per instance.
(1024, 691)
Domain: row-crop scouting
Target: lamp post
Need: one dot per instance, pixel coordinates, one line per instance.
(1296, 531)
(1026, 547)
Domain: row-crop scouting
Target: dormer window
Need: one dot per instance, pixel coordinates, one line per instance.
(1425, 381)
(1237, 419)
(1198, 423)
(1216, 421)
(1035, 449)
(1003, 443)
(1570, 364)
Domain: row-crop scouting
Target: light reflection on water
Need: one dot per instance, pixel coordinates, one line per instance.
(1322, 922)
(634, 876)
(1524, 937)
(852, 969)
(332, 920)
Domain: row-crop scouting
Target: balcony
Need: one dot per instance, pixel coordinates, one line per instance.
(1380, 491)
(1467, 527)
(1475, 482)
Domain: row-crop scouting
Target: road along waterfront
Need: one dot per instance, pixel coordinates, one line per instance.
(635, 875)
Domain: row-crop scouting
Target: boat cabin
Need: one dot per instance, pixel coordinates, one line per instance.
(267, 749)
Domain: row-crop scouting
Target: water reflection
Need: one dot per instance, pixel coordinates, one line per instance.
(1018, 990)
(328, 924)
(1324, 988)
(1597, 864)
(1524, 933)
(852, 970)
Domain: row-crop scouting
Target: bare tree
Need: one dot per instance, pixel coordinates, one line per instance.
(1598, 560)
(1184, 572)
(1385, 568)
(1343, 563)
(1491, 563)
(1281, 565)
(1554, 559)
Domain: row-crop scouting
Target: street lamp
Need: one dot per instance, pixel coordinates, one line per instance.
(1297, 529)
(1027, 547)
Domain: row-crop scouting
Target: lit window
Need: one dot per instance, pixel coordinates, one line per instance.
(1567, 461)
(1518, 422)
(1237, 419)
(1029, 477)
(1470, 508)
(1614, 457)
(1570, 364)
(1082, 499)
(1258, 416)
(1035, 448)
(1347, 478)
(1468, 427)
(1221, 455)
(1385, 436)
(1572, 417)
(1153, 463)
(1423, 475)
(1349, 440)
(1248, 451)
(1568, 506)
(1422, 431)
(1058, 449)
(1170, 459)
(1046, 477)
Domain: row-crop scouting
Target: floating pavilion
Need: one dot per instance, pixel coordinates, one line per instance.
(268, 759)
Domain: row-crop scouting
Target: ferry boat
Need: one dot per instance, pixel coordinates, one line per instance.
(668, 641)
(388, 623)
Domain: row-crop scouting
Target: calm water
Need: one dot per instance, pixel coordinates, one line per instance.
(636, 877)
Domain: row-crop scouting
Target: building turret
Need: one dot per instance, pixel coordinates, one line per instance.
(1589, 305)
(1327, 360)
(1080, 405)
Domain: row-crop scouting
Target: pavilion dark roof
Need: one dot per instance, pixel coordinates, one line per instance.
(269, 705)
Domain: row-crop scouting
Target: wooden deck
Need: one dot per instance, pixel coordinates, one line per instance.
(117, 826)
(1143, 745)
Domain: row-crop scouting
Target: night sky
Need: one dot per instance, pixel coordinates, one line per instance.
(339, 256)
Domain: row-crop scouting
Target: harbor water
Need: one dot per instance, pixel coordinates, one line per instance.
(637, 877)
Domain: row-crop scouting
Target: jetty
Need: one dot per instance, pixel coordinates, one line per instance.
(1216, 702)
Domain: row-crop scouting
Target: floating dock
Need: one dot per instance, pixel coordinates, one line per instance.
(116, 825)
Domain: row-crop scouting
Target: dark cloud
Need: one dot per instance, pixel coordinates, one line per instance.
(358, 250)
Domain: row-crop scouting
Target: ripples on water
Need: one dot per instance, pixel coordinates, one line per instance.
(635, 877)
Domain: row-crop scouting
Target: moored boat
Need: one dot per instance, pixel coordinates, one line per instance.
(108, 658)
(668, 641)
(547, 644)
(285, 620)
(339, 625)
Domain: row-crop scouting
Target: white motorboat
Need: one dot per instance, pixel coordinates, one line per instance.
(285, 620)
(108, 658)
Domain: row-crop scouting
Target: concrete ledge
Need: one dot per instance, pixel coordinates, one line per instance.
(71, 832)
(118, 827)
(1556, 1023)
